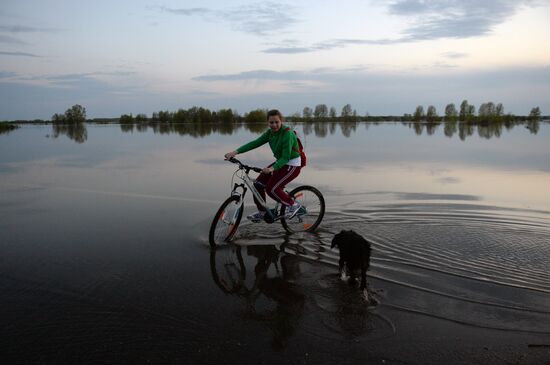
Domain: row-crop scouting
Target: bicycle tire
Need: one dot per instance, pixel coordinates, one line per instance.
(228, 269)
(226, 221)
(314, 204)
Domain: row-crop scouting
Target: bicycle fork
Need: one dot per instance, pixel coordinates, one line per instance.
(240, 195)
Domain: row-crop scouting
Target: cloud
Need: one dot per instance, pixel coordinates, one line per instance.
(68, 78)
(362, 73)
(454, 18)
(454, 55)
(449, 180)
(431, 20)
(317, 74)
(272, 75)
(71, 81)
(293, 79)
(17, 29)
(7, 74)
(454, 7)
(443, 65)
(330, 44)
(289, 50)
(90, 79)
(187, 11)
(18, 54)
(255, 75)
(10, 40)
(261, 19)
(25, 29)
(89, 74)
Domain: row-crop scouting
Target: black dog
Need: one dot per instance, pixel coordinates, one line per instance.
(354, 254)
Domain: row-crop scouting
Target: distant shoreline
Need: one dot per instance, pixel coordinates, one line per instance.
(10, 125)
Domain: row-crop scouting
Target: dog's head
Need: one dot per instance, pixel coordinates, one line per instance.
(340, 238)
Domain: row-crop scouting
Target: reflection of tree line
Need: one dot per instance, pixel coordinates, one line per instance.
(192, 129)
(467, 129)
(76, 132)
(322, 129)
(7, 127)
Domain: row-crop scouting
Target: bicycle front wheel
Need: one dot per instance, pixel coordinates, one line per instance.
(228, 269)
(310, 214)
(226, 221)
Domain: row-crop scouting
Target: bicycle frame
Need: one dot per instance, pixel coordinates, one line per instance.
(250, 185)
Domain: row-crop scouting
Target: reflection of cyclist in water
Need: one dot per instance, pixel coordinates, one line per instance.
(274, 178)
(290, 301)
(273, 297)
(275, 284)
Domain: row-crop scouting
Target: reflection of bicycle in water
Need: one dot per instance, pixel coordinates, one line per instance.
(270, 295)
(265, 275)
(227, 219)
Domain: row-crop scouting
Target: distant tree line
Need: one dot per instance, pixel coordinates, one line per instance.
(195, 114)
(487, 113)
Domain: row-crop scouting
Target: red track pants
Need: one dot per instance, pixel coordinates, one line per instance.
(275, 183)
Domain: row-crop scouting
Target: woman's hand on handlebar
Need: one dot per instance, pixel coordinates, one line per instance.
(230, 155)
(267, 170)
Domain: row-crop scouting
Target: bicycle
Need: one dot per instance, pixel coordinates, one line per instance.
(229, 215)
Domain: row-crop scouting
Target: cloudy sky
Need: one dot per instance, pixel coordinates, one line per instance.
(382, 57)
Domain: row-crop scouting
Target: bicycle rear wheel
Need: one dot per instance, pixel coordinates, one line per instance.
(226, 221)
(310, 214)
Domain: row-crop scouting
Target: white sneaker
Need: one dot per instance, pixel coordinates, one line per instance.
(256, 217)
(292, 210)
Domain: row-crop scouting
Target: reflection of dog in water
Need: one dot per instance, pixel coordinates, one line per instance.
(354, 255)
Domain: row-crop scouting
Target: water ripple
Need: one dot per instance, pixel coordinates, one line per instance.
(479, 265)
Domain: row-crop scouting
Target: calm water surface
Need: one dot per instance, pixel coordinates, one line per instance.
(104, 252)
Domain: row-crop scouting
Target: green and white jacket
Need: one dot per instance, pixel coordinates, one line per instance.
(283, 143)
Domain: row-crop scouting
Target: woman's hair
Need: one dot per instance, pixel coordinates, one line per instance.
(275, 112)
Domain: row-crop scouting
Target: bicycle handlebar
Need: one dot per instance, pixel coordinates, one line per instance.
(245, 167)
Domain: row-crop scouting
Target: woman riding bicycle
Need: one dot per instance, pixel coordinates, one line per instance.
(273, 178)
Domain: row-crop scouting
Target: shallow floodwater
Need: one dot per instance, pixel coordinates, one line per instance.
(104, 253)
